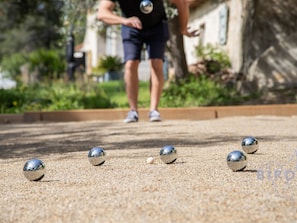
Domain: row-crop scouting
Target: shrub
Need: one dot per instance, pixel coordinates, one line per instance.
(109, 63)
(11, 65)
(52, 97)
(49, 64)
(215, 58)
(12, 100)
(197, 91)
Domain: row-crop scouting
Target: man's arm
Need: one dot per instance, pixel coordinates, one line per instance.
(183, 14)
(106, 14)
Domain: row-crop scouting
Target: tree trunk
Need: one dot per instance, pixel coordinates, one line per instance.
(247, 34)
(268, 44)
(176, 50)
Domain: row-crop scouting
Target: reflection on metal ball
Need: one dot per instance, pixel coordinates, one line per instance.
(168, 154)
(34, 169)
(96, 156)
(250, 144)
(146, 6)
(236, 160)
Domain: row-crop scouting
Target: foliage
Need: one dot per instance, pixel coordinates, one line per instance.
(12, 100)
(215, 58)
(48, 63)
(12, 64)
(74, 18)
(28, 25)
(53, 97)
(109, 63)
(197, 91)
(203, 88)
(191, 92)
(75, 9)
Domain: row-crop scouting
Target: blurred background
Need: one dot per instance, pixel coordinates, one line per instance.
(55, 55)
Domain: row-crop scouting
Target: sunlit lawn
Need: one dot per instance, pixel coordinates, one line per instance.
(115, 90)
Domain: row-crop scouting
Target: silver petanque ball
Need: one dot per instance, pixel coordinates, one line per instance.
(34, 169)
(236, 160)
(168, 154)
(146, 6)
(96, 156)
(250, 144)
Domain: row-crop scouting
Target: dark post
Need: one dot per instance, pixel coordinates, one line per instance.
(70, 56)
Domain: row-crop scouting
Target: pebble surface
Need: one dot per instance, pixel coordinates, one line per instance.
(198, 187)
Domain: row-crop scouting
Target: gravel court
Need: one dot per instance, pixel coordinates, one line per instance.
(198, 187)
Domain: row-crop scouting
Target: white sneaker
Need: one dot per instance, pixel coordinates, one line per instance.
(132, 116)
(154, 116)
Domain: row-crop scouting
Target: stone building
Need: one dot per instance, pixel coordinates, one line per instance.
(259, 37)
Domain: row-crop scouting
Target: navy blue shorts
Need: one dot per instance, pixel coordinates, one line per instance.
(154, 38)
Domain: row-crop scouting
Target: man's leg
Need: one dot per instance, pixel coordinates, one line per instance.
(156, 42)
(131, 82)
(157, 82)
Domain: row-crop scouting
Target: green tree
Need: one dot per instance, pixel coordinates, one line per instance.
(29, 24)
(74, 20)
(47, 63)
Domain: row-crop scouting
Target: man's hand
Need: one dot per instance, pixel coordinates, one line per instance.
(191, 33)
(133, 22)
(105, 14)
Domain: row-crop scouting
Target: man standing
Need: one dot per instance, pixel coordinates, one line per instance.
(144, 22)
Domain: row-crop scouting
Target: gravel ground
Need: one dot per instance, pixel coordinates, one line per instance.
(198, 187)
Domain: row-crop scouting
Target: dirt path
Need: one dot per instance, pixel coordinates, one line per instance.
(198, 187)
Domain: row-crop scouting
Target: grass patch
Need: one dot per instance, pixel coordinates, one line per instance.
(115, 90)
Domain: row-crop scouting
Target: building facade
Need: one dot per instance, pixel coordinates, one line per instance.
(259, 37)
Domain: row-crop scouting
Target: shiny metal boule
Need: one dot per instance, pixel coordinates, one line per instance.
(250, 144)
(168, 154)
(236, 160)
(96, 156)
(34, 169)
(146, 6)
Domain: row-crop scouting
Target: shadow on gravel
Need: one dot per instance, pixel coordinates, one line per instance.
(24, 149)
(35, 140)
